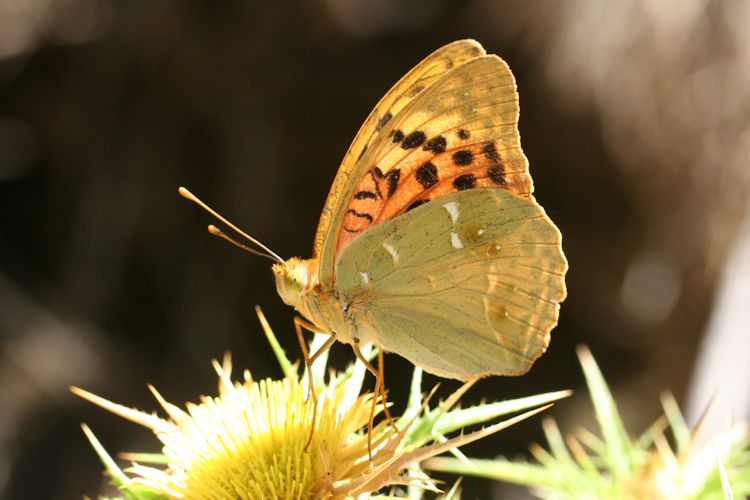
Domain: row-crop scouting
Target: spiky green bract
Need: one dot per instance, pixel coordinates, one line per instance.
(615, 466)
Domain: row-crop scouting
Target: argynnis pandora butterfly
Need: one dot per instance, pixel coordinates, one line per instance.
(430, 244)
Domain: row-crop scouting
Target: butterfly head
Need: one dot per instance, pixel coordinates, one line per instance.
(295, 279)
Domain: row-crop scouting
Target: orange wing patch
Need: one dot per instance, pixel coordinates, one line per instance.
(438, 166)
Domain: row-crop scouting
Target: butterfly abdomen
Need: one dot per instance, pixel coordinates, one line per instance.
(435, 167)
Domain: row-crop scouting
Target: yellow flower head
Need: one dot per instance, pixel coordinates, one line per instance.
(250, 441)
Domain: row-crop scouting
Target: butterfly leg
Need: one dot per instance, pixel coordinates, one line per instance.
(299, 324)
(379, 389)
(381, 372)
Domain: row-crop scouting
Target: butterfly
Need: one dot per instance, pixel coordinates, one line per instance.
(430, 244)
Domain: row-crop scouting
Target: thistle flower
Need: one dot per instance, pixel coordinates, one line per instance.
(250, 441)
(258, 439)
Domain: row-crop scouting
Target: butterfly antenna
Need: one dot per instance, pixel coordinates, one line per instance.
(217, 232)
(221, 234)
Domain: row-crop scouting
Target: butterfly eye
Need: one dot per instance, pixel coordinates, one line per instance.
(294, 281)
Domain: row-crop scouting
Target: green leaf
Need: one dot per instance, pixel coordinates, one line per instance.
(119, 479)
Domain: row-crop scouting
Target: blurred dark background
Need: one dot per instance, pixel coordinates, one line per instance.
(634, 116)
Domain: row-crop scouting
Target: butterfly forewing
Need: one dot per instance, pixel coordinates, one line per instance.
(467, 285)
(459, 133)
(367, 141)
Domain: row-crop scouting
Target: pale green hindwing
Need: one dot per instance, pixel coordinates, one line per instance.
(466, 285)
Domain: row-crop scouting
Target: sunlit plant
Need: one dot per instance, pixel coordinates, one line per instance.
(260, 439)
(616, 466)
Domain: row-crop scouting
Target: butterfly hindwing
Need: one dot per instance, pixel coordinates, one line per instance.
(466, 285)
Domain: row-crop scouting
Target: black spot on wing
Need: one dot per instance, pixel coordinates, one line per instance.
(416, 89)
(490, 151)
(391, 180)
(427, 175)
(398, 136)
(385, 119)
(436, 144)
(413, 140)
(363, 195)
(496, 173)
(463, 134)
(463, 157)
(349, 230)
(416, 204)
(362, 153)
(376, 174)
(466, 181)
(360, 215)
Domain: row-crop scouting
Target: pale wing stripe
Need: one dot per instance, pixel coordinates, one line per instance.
(468, 263)
(517, 288)
(546, 271)
(459, 285)
(525, 257)
(504, 256)
(544, 298)
(435, 296)
(514, 277)
(506, 300)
